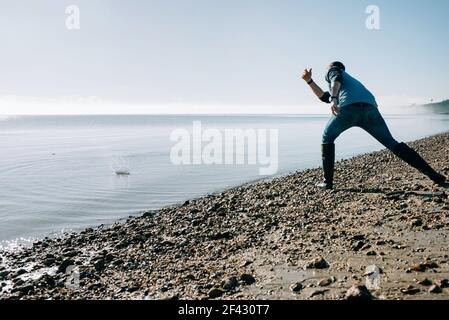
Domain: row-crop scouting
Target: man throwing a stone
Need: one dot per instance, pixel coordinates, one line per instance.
(354, 105)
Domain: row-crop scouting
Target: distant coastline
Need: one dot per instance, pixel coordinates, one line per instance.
(438, 107)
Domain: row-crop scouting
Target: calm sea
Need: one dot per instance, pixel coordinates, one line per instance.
(57, 173)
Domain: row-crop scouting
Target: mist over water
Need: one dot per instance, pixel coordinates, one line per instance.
(59, 173)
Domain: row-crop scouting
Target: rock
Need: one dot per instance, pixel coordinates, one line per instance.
(325, 282)
(118, 262)
(444, 283)
(317, 292)
(47, 281)
(20, 272)
(358, 293)
(430, 265)
(24, 289)
(359, 245)
(416, 222)
(216, 206)
(245, 263)
(231, 283)
(189, 277)
(109, 257)
(149, 214)
(421, 267)
(435, 289)
(424, 282)
(247, 279)
(122, 244)
(99, 265)
(220, 235)
(70, 254)
(65, 263)
(410, 290)
(140, 238)
(48, 262)
(4, 275)
(371, 253)
(133, 288)
(215, 293)
(317, 263)
(296, 287)
(358, 237)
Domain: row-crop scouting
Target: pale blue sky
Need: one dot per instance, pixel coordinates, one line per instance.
(224, 56)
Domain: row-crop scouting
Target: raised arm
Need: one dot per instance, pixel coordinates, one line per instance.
(322, 95)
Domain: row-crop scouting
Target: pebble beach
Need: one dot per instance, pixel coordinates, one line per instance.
(281, 238)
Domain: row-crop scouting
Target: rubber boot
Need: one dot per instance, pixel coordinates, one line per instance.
(328, 157)
(410, 156)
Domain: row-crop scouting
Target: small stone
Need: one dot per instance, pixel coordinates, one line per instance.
(48, 262)
(4, 274)
(358, 293)
(122, 244)
(430, 265)
(444, 283)
(410, 290)
(418, 267)
(48, 281)
(317, 263)
(325, 282)
(358, 237)
(215, 293)
(65, 263)
(226, 235)
(140, 238)
(20, 272)
(435, 289)
(149, 214)
(245, 263)
(424, 282)
(296, 287)
(317, 292)
(416, 222)
(99, 265)
(359, 245)
(371, 253)
(231, 283)
(25, 289)
(247, 279)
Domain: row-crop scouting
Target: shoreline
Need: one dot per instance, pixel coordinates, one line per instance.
(259, 241)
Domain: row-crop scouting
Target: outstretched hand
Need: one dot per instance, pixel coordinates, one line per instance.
(307, 75)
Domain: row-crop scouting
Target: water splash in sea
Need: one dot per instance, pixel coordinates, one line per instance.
(120, 166)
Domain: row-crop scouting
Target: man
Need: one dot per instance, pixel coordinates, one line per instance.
(354, 105)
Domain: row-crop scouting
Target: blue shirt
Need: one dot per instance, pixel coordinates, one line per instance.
(351, 91)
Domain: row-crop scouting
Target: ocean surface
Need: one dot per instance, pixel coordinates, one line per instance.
(57, 173)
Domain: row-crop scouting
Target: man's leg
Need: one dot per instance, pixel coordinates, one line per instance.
(336, 126)
(375, 125)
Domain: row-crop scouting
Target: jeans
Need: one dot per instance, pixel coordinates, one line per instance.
(364, 116)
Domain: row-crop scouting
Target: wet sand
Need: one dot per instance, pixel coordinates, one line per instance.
(276, 239)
